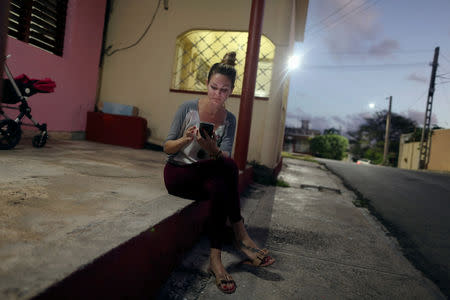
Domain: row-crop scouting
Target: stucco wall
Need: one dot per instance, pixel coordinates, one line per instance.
(75, 73)
(440, 150)
(141, 76)
(409, 156)
(409, 153)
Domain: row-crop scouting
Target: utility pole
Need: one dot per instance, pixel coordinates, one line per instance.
(425, 140)
(386, 136)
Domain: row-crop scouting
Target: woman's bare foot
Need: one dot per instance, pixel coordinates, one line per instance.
(224, 281)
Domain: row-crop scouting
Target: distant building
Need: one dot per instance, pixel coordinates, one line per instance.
(409, 152)
(297, 139)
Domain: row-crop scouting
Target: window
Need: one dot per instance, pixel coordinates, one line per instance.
(39, 22)
(197, 50)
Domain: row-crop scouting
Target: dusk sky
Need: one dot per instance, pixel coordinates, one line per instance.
(358, 52)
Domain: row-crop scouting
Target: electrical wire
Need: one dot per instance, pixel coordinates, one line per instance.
(417, 100)
(358, 9)
(109, 53)
(329, 16)
(358, 67)
(365, 52)
(338, 19)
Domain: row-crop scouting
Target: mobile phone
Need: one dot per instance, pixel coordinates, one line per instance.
(208, 127)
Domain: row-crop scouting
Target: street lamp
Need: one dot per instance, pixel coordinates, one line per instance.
(294, 62)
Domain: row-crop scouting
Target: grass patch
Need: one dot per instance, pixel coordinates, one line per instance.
(282, 183)
(361, 202)
(304, 157)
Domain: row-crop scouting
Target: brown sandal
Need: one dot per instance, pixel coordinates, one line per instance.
(222, 281)
(262, 259)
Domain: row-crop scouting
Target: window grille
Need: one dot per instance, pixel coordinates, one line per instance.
(197, 50)
(39, 22)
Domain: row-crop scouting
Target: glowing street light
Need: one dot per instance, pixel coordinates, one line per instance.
(294, 62)
(371, 105)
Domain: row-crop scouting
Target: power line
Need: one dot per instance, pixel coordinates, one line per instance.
(365, 52)
(343, 17)
(109, 53)
(417, 101)
(327, 17)
(335, 22)
(364, 66)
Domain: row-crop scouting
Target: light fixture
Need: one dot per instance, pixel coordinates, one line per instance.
(294, 62)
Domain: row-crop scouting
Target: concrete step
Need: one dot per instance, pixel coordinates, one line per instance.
(83, 220)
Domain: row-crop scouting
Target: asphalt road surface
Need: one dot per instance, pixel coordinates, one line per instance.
(415, 208)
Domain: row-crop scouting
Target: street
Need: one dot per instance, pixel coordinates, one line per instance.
(413, 205)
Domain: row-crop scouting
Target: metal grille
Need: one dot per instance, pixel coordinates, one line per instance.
(197, 50)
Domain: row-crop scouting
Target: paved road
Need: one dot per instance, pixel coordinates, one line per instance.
(414, 206)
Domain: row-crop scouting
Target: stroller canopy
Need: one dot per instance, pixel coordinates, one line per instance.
(27, 86)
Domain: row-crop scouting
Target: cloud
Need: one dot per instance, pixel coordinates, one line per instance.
(415, 77)
(419, 116)
(384, 48)
(349, 30)
(345, 124)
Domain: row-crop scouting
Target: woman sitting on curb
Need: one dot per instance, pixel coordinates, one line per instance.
(199, 167)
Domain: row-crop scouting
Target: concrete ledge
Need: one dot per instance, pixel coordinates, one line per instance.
(83, 220)
(137, 268)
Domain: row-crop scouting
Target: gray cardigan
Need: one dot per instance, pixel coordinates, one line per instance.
(187, 116)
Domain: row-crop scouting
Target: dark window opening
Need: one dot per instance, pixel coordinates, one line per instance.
(40, 23)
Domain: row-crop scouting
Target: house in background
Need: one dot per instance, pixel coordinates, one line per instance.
(439, 159)
(170, 64)
(297, 139)
(177, 45)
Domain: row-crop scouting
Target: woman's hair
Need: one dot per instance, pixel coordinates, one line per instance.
(225, 67)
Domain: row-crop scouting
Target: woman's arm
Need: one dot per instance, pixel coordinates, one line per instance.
(174, 146)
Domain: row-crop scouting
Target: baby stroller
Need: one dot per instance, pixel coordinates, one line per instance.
(16, 91)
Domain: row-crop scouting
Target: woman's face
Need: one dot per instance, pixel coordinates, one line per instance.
(219, 88)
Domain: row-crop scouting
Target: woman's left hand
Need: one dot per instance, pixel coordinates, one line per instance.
(208, 143)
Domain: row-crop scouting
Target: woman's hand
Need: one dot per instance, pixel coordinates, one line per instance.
(190, 133)
(208, 143)
(173, 146)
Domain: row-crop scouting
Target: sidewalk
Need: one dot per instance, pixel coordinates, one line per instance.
(325, 247)
(82, 220)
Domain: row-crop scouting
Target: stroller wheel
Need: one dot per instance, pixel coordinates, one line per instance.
(40, 140)
(10, 134)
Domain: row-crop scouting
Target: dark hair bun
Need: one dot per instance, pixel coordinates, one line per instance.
(229, 59)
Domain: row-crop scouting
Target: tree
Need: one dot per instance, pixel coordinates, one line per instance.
(329, 146)
(331, 130)
(370, 135)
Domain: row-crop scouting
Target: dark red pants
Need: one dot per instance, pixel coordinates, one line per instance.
(213, 180)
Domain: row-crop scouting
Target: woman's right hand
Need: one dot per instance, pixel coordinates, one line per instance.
(173, 146)
(190, 133)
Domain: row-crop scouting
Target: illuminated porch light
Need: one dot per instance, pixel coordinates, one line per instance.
(294, 62)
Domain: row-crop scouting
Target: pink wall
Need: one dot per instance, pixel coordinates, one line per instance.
(75, 73)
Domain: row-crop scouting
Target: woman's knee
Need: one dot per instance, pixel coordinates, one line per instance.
(216, 187)
(230, 166)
